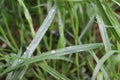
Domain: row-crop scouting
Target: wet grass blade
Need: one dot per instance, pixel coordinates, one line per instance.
(103, 33)
(108, 16)
(101, 62)
(38, 37)
(54, 53)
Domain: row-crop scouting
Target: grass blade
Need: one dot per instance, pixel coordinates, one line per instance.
(100, 63)
(103, 32)
(38, 37)
(9, 32)
(53, 72)
(108, 16)
(27, 15)
(54, 53)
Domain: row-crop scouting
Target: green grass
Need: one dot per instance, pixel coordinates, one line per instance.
(59, 40)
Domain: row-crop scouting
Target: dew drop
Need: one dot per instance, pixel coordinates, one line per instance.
(53, 51)
(24, 53)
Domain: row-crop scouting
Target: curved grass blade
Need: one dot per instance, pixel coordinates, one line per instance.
(104, 36)
(100, 63)
(91, 51)
(102, 68)
(27, 15)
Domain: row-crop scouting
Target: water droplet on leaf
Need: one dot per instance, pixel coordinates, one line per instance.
(53, 51)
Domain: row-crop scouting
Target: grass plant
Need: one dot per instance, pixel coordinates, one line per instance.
(59, 40)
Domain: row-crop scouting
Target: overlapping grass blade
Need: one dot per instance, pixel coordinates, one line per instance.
(102, 68)
(104, 36)
(108, 16)
(74, 18)
(91, 51)
(27, 15)
(53, 72)
(87, 27)
(117, 2)
(55, 53)
(38, 37)
(101, 62)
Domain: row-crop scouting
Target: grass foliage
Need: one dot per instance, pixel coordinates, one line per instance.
(59, 40)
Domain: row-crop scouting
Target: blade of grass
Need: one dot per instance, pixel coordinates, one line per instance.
(75, 27)
(87, 27)
(9, 32)
(103, 32)
(117, 2)
(100, 76)
(101, 62)
(38, 37)
(102, 68)
(53, 72)
(40, 12)
(91, 51)
(21, 25)
(108, 16)
(5, 39)
(62, 41)
(54, 53)
(27, 15)
(1, 4)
